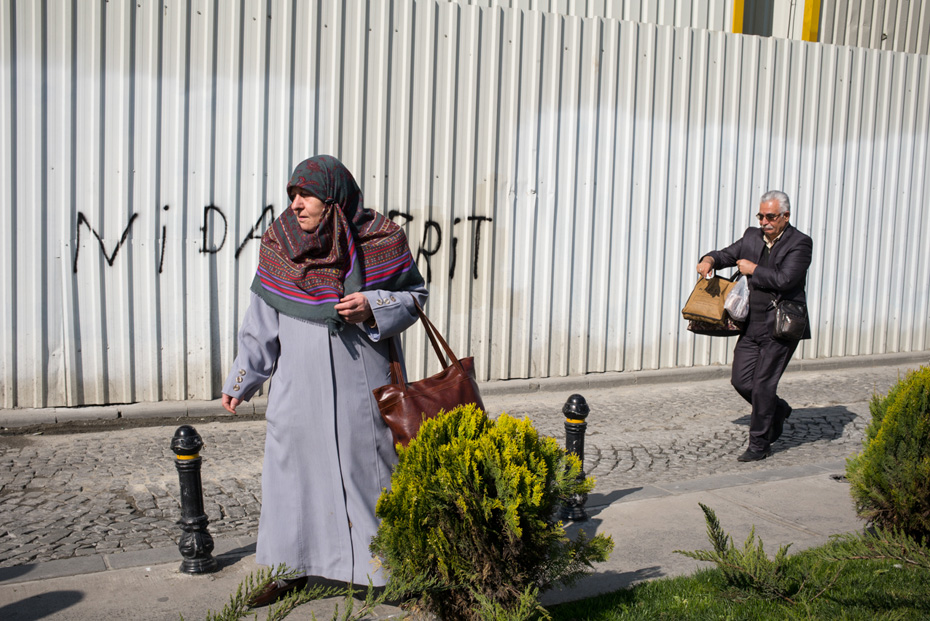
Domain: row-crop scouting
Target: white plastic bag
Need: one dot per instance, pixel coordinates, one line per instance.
(737, 302)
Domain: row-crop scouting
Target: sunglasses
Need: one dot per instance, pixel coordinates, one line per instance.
(771, 217)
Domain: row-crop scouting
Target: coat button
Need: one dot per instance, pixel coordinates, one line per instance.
(393, 299)
(236, 387)
(239, 379)
(241, 372)
(380, 302)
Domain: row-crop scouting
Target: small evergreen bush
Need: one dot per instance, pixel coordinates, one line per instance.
(890, 478)
(471, 504)
(748, 568)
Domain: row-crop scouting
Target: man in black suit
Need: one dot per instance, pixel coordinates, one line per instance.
(774, 258)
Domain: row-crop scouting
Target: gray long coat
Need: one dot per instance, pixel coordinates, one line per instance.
(328, 453)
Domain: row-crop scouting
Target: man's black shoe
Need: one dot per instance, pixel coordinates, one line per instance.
(751, 455)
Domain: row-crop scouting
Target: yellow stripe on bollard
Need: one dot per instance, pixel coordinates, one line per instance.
(577, 421)
(185, 457)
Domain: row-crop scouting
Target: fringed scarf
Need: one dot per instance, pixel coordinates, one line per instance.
(304, 275)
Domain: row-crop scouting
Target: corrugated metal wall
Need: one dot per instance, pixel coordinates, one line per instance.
(707, 14)
(558, 178)
(897, 25)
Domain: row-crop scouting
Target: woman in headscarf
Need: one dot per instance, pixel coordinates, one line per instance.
(335, 281)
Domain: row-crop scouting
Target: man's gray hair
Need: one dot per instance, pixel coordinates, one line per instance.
(784, 205)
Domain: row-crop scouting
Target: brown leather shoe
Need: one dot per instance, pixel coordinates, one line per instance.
(276, 590)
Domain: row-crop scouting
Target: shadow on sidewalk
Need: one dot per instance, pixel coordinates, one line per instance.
(599, 583)
(231, 557)
(808, 425)
(40, 606)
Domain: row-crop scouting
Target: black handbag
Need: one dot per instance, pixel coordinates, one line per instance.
(729, 327)
(790, 320)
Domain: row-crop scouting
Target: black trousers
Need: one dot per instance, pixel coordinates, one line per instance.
(758, 363)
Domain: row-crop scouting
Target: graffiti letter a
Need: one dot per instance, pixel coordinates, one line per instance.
(82, 219)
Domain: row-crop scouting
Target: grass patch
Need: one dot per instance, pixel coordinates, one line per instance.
(863, 589)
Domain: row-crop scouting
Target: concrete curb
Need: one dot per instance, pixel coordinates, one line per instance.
(213, 409)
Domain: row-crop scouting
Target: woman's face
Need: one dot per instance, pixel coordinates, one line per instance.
(308, 209)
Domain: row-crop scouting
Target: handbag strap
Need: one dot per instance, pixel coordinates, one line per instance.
(435, 339)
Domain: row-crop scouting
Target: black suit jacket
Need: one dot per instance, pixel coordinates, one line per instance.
(786, 273)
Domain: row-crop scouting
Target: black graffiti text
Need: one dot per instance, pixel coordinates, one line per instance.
(430, 243)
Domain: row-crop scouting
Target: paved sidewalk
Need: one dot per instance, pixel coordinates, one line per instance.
(87, 521)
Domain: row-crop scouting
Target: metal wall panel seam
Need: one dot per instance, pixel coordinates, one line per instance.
(690, 347)
(56, 199)
(540, 152)
(912, 246)
(199, 156)
(443, 200)
(875, 194)
(886, 190)
(586, 210)
(90, 309)
(922, 42)
(462, 284)
(676, 266)
(542, 36)
(377, 102)
(811, 168)
(30, 233)
(657, 192)
(646, 60)
(602, 279)
(239, 218)
(172, 182)
(817, 206)
(922, 285)
(424, 85)
(508, 102)
(836, 298)
(118, 209)
(487, 181)
(862, 179)
(145, 197)
(899, 202)
(566, 262)
(398, 165)
(9, 193)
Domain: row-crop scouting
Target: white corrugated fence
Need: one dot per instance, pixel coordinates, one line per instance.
(558, 178)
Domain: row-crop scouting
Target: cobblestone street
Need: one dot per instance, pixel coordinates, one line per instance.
(64, 496)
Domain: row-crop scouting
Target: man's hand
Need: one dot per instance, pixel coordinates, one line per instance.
(354, 308)
(746, 267)
(705, 266)
(230, 403)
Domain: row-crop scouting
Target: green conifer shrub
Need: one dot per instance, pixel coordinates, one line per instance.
(471, 504)
(890, 478)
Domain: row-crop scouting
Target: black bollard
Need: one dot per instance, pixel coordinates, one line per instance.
(575, 411)
(196, 544)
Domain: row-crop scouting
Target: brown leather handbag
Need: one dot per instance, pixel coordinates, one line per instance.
(405, 405)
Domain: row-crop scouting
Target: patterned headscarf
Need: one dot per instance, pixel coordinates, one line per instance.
(304, 275)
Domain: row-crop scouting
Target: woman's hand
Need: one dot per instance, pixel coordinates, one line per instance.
(354, 308)
(230, 403)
